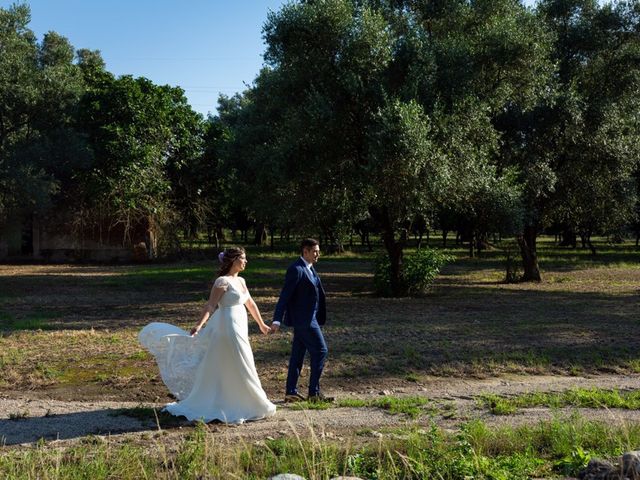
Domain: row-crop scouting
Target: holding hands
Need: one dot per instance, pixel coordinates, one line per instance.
(264, 328)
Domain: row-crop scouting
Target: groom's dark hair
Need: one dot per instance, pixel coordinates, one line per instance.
(308, 243)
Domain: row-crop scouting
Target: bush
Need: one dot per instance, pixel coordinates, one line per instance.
(418, 271)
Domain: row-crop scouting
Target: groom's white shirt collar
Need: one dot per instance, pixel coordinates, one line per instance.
(309, 265)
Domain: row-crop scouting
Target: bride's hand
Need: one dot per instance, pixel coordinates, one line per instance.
(195, 330)
(265, 329)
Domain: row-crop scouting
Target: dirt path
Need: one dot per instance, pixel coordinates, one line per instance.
(24, 419)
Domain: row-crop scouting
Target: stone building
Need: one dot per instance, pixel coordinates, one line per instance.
(56, 239)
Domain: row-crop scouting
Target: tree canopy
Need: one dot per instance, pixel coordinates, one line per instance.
(487, 117)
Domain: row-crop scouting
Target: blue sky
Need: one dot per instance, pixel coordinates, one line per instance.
(207, 47)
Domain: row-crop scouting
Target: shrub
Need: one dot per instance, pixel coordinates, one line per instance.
(419, 270)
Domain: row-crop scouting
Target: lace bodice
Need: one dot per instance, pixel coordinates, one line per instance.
(234, 291)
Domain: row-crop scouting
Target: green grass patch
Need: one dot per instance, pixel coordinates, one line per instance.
(141, 355)
(10, 356)
(578, 397)
(33, 321)
(259, 272)
(412, 377)
(149, 414)
(311, 405)
(549, 449)
(410, 406)
(97, 370)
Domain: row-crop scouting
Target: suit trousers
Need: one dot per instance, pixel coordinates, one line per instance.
(306, 339)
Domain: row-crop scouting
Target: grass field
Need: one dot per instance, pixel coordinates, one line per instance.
(545, 450)
(74, 327)
(69, 332)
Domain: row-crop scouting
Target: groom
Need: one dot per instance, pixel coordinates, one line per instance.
(302, 306)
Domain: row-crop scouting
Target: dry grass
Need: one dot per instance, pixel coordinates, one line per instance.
(582, 318)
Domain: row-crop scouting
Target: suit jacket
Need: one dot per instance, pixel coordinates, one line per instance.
(295, 307)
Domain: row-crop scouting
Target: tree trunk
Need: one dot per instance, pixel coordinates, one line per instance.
(583, 239)
(261, 234)
(394, 250)
(482, 242)
(444, 238)
(335, 244)
(568, 238)
(587, 238)
(527, 243)
(219, 235)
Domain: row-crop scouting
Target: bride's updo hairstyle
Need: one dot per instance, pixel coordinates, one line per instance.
(227, 258)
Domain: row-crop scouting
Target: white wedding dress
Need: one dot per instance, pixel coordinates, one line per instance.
(213, 374)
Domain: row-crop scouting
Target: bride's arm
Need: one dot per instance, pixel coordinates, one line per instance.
(254, 311)
(209, 307)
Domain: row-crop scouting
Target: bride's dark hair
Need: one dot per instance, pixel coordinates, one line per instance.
(229, 256)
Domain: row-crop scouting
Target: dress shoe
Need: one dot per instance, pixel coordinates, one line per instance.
(293, 398)
(319, 397)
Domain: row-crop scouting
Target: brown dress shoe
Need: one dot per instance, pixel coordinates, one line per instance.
(319, 397)
(293, 398)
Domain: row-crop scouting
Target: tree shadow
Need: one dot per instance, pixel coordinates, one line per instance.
(23, 428)
(468, 331)
(460, 328)
(102, 298)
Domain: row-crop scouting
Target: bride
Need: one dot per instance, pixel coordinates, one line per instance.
(211, 371)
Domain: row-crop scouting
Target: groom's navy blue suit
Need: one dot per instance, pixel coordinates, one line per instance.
(302, 306)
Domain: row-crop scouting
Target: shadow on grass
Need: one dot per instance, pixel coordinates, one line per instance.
(472, 331)
(463, 327)
(117, 296)
(23, 428)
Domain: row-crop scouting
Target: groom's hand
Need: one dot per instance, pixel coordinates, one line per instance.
(275, 327)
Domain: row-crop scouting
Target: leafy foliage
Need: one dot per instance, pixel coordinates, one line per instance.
(490, 117)
(39, 90)
(418, 271)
